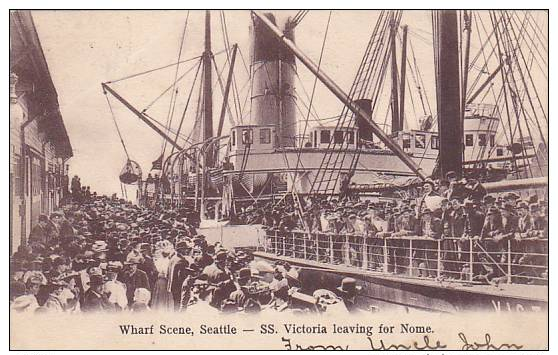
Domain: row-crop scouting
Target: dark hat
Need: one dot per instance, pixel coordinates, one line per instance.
(221, 255)
(428, 181)
(488, 199)
(114, 266)
(511, 196)
(348, 286)
(522, 204)
(133, 259)
(451, 175)
(533, 207)
(244, 274)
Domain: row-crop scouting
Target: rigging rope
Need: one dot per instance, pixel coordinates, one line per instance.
(174, 93)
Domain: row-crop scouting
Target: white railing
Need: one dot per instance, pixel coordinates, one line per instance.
(464, 259)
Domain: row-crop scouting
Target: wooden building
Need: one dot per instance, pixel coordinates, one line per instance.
(39, 143)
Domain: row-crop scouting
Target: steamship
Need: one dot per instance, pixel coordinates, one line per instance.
(218, 173)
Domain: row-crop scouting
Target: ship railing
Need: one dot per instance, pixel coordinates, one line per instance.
(470, 260)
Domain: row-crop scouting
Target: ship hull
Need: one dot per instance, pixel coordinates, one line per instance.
(423, 294)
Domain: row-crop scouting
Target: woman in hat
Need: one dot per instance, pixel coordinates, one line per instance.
(162, 297)
(28, 303)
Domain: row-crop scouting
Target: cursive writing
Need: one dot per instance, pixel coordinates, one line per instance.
(287, 344)
(425, 345)
(487, 345)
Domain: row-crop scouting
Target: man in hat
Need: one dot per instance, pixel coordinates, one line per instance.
(242, 294)
(134, 278)
(474, 219)
(40, 234)
(147, 265)
(220, 277)
(426, 254)
(94, 299)
(177, 271)
(348, 291)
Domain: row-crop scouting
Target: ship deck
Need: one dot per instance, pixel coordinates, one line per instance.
(538, 293)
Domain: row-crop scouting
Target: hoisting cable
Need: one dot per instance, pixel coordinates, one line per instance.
(116, 125)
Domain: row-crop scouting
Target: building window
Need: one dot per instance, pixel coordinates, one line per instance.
(233, 140)
(482, 140)
(324, 137)
(492, 140)
(246, 136)
(265, 135)
(338, 137)
(499, 152)
(18, 178)
(435, 143)
(468, 140)
(315, 134)
(420, 141)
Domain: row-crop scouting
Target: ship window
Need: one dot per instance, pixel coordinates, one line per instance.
(407, 142)
(233, 140)
(492, 140)
(351, 137)
(435, 143)
(246, 136)
(265, 135)
(324, 137)
(338, 137)
(499, 152)
(468, 140)
(482, 140)
(419, 141)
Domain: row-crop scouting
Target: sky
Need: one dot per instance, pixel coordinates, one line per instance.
(86, 48)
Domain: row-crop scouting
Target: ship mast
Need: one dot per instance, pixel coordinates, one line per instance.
(207, 90)
(448, 92)
(394, 82)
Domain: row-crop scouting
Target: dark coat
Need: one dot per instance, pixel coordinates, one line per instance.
(94, 302)
(136, 280)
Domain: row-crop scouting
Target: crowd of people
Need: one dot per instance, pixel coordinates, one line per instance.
(100, 253)
(103, 254)
(474, 230)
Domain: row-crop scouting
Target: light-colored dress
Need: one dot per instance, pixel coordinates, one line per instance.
(162, 299)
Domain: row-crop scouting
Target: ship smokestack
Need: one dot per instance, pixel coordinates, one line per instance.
(273, 72)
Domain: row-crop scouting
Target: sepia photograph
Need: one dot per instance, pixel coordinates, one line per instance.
(278, 179)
